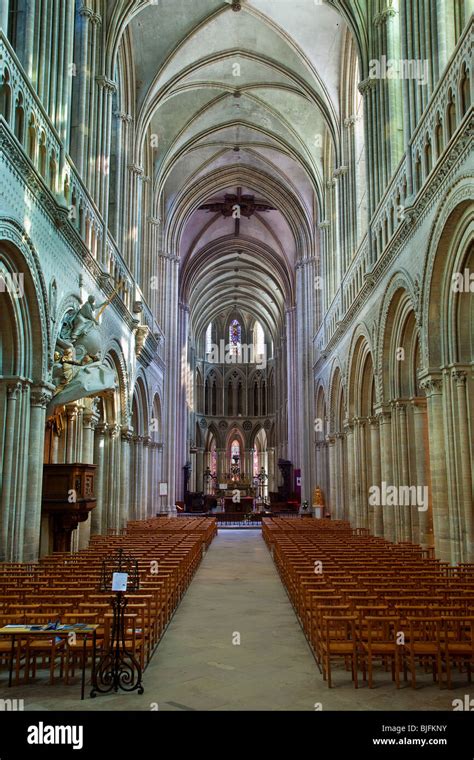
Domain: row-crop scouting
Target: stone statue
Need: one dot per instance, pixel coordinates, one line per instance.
(84, 319)
(78, 370)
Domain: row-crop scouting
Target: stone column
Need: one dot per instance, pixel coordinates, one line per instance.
(199, 470)
(408, 513)
(135, 188)
(136, 485)
(145, 511)
(89, 421)
(124, 497)
(433, 386)
(40, 396)
(221, 463)
(375, 513)
(111, 473)
(463, 449)
(90, 418)
(385, 427)
(71, 413)
(13, 393)
(83, 71)
(340, 477)
(4, 11)
(331, 500)
(351, 474)
(97, 516)
(420, 456)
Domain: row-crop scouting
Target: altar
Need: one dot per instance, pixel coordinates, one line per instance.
(245, 504)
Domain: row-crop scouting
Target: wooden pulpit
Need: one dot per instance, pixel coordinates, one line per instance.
(68, 497)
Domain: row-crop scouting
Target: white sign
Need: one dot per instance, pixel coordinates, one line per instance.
(163, 489)
(223, 486)
(119, 581)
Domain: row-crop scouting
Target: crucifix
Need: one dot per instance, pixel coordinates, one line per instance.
(237, 206)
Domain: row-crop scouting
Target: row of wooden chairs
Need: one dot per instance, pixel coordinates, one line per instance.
(65, 587)
(366, 600)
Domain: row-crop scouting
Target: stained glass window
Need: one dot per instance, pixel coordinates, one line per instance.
(213, 458)
(234, 450)
(235, 336)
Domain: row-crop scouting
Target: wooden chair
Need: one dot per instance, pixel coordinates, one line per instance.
(381, 644)
(339, 640)
(423, 644)
(458, 644)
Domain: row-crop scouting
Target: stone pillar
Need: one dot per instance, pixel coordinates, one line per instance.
(111, 473)
(89, 421)
(71, 414)
(4, 12)
(375, 513)
(385, 427)
(360, 458)
(136, 485)
(351, 474)
(13, 394)
(39, 398)
(199, 470)
(146, 482)
(462, 454)
(124, 495)
(340, 477)
(433, 387)
(408, 513)
(331, 497)
(221, 463)
(420, 456)
(97, 516)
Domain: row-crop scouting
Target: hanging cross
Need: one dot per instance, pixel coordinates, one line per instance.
(237, 206)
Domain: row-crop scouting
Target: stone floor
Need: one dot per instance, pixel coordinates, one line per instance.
(236, 644)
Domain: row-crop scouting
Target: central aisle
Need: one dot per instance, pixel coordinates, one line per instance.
(235, 593)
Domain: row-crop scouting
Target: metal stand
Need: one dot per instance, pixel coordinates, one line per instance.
(117, 667)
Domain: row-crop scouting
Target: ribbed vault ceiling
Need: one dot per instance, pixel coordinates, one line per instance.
(238, 99)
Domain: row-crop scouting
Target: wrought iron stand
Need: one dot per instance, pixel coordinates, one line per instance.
(117, 667)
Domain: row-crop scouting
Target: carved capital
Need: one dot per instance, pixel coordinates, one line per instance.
(40, 396)
(126, 434)
(384, 16)
(113, 431)
(350, 121)
(86, 12)
(340, 171)
(90, 419)
(136, 170)
(348, 427)
(72, 410)
(125, 117)
(433, 386)
(108, 84)
(459, 377)
(101, 429)
(366, 86)
(13, 391)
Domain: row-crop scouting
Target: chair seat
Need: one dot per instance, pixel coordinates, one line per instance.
(338, 648)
